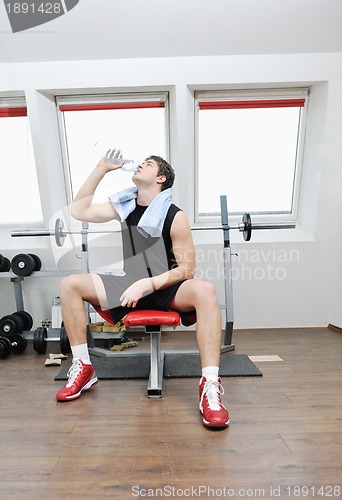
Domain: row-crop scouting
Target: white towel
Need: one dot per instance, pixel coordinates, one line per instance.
(152, 221)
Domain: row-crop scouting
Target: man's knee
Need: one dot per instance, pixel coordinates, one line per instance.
(88, 287)
(205, 291)
(69, 284)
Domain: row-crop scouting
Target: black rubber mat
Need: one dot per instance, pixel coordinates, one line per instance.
(175, 366)
(188, 365)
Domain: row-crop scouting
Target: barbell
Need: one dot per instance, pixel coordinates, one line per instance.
(245, 226)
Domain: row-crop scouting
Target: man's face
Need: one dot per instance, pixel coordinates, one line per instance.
(148, 173)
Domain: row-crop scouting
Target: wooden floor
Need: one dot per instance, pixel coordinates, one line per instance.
(113, 442)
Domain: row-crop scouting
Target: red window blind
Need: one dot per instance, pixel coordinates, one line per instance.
(9, 112)
(105, 106)
(257, 103)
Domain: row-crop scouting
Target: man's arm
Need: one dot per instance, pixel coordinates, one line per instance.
(184, 251)
(83, 207)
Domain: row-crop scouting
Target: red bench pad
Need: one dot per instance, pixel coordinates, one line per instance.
(143, 317)
(151, 317)
(105, 313)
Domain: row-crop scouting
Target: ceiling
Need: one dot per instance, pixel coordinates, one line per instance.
(116, 29)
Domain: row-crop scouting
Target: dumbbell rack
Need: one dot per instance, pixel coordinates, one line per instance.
(53, 333)
(18, 292)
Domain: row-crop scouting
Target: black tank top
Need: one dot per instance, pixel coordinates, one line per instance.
(147, 256)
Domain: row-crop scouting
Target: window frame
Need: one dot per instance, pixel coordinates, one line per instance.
(258, 95)
(103, 101)
(11, 107)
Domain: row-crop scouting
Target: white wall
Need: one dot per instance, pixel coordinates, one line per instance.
(336, 312)
(281, 278)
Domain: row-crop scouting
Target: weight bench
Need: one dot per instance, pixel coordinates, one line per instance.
(152, 321)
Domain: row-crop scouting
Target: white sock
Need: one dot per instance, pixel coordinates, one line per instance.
(210, 372)
(81, 352)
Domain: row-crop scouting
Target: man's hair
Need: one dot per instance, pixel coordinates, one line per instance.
(164, 168)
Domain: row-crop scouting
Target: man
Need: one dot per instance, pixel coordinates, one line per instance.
(159, 275)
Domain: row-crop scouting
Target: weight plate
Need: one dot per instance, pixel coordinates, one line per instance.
(19, 322)
(247, 232)
(39, 340)
(26, 318)
(18, 343)
(11, 324)
(38, 262)
(59, 234)
(2, 264)
(23, 264)
(64, 341)
(5, 347)
(5, 264)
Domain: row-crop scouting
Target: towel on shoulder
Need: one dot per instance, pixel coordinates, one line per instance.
(152, 221)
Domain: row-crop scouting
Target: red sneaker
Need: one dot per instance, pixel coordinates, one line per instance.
(211, 407)
(81, 377)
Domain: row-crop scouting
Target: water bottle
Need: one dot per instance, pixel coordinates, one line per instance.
(101, 147)
(129, 166)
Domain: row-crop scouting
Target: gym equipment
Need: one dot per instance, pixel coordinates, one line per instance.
(37, 261)
(41, 339)
(246, 227)
(5, 264)
(10, 325)
(26, 318)
(17, 344)
(64, 341)
(15, 323)
(25, 264)
(247, 232)
(153, 321)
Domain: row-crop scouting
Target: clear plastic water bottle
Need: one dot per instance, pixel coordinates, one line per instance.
(101, 148)
(129, 166)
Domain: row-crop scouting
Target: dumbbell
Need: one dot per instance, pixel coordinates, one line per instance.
(5, 264)
(15, 323)
(25, 264)
(17, 344)
(41, 339)
(26, 318)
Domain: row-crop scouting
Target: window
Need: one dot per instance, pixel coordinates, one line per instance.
(137, 124)
(249, 147)
(19, 193)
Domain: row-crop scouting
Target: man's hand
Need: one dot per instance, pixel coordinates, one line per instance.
(112, 160)
(134, 292)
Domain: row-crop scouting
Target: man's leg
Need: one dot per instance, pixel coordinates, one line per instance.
(74, 290)
(201, 296)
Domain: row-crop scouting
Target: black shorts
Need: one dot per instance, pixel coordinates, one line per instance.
(159, 299)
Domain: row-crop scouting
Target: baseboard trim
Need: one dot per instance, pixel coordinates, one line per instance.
(334, 327)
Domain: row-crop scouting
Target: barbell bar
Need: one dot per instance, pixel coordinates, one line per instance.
(246, 227)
